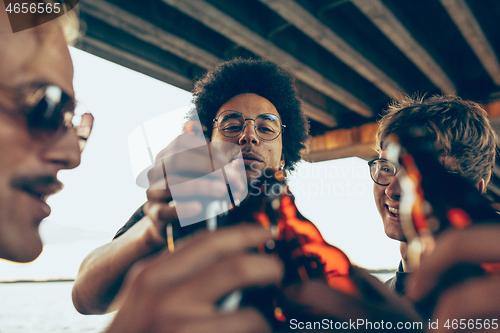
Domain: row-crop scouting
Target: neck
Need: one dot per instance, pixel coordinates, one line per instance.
(403, 249)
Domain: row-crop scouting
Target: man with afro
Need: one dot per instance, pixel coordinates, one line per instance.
(248, 103)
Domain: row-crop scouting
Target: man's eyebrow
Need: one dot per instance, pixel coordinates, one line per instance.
(233, 115)
(269, 116)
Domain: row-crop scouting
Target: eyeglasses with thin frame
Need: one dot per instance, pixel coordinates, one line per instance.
(382, 171)
(49, 112)
(231, 124)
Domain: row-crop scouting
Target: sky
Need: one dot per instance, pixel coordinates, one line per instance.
(101, 194)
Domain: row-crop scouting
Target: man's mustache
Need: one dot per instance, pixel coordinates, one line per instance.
(30, 183)
(246, 150)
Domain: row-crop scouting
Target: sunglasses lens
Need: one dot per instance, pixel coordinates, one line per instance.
(47, 116)
(83, 126)
(44, 117)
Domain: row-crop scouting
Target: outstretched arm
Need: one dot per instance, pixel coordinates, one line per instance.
(178, 292)
(101, 272)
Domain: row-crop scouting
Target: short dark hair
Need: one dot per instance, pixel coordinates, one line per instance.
(461, 128)
(260, 77)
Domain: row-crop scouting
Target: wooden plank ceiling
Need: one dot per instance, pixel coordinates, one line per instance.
(350, 57)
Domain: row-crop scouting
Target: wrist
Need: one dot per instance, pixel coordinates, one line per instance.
(154, 236)
(148, 235)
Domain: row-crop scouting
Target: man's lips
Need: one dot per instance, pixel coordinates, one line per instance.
(43, 192)
(393, 211)
(40, 187)
(250, 158)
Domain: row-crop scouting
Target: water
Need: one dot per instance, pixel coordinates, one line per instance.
(44, 307)
(384, 276)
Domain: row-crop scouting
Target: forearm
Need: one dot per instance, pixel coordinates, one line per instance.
(101, 272)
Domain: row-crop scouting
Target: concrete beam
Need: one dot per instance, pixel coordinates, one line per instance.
(227, 26)
(388, 23)
(295, 14)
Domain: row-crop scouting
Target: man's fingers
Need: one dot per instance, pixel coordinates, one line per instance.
(168, 212)
(192, 162)
(233, 273)
(209, 186)
(155, 195)
(204, 249)
(474, 245)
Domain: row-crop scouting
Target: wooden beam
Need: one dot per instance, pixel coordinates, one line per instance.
(357, 141)
(151, 34)
(295, 14)
(360, 141)
(317, 114)
(387, 22)
(143, 30)
(135, 62)
(241, 35)
(493, 109)
(364, 151)
(469, 27)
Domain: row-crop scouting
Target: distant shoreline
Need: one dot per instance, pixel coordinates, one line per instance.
(371, 271)
(30, 281)
(382, 271)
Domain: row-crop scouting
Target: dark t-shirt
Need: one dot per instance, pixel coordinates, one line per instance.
(138, 215)
(398, 282)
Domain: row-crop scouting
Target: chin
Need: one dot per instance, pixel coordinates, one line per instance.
(25, 252)
(395, 234)
(253, 174)
(30, 256)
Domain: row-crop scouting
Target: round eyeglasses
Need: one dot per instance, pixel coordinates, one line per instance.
(232, 123)
(382, 171)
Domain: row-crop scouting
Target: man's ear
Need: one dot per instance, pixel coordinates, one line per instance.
(282, 162)
(481, 186)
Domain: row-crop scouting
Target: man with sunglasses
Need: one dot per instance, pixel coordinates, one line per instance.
(467, 146)
(39, 134)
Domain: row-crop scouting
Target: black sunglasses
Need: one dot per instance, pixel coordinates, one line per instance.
(49, 111)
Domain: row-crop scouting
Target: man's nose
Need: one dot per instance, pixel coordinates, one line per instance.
(249, 134)
(393, 190)
(63, 151)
